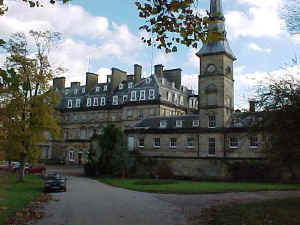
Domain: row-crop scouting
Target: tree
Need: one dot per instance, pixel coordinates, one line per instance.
(30, 3)
(27, 102)
(280, 121)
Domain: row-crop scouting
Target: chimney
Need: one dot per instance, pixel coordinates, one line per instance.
(158, 70)
(91, 81)
(137, 73)
(75, 84)
(174, 75)
(117, 77)
(59, 83)
(252, 106)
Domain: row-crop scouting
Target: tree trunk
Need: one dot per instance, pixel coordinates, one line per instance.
(21, 169)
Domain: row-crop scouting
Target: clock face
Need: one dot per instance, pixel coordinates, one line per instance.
(211, 68)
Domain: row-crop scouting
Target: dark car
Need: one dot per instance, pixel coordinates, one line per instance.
(55, 182)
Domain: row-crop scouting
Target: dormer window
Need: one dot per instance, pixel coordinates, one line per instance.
(195, 123)
(69, 103)
(142, 95)
(163, 124)
(95, 103)
(66, 91)
(83, 90)
(151, 94)
(97, 89)
(102, 101)
(121, 86)
(211, 121)
(89, 102)
(105, 88)
(77, 105)
(115, 100)
(148, 80)
(125, 97)
(178, 123)
(133, 96)
(130, 85)
(75, 91)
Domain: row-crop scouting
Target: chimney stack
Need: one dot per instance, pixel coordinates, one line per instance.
(158, 70)
(117, 76)
(75, 84)
(252, 106)
(137, 73)
(91, 80)
(59, 83)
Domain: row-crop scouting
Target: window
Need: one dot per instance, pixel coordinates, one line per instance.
(121, 86)
(163, 124)
(176, 99)
(148, 80)
(125, 97)
(172, 143)
(115, 100)
(156, 142)
(100, 115)
(140, 115)
(253, 142)
(113, 116)
(105, 88)
(89, 102)
(97, 89)
(178, 123)
(66, 91)
(102, 101)
(83, 116)
(151, 94)
(77, 103)
(75, 117)
(83, 90)
(152, 112)
(95, 102)
(130, 85)
(164, 112)
(195, 123)
(190, 142)
(133, 96)
(181, 100)
(141, 143)
(211, 146)
(142, 95)
(168, 96)
(129, 114)
(75, 91)
(233, 142)
(71, 156)
(212, 121)
(69, 103)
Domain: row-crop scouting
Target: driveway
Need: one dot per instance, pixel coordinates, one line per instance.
(89, 202)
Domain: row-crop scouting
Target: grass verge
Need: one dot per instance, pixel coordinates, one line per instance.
(15, 196)
(192, 187)
(270, 212)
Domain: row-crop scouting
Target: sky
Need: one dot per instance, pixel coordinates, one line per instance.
(100, 35)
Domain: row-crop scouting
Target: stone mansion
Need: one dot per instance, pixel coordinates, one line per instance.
(159, 115)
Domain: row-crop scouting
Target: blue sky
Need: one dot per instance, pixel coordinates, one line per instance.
(106, 32)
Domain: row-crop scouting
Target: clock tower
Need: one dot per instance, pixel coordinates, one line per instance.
(216, 72)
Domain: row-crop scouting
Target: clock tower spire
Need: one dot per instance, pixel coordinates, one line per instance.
(216, 72)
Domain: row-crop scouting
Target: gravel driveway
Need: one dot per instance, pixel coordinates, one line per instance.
(89, 202)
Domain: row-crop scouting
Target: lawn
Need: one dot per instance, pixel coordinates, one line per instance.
(192, 187)
(271, 212)
(15, 196)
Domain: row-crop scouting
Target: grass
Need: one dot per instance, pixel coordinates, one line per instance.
(192, 187)
(15, 196)
(270, 212)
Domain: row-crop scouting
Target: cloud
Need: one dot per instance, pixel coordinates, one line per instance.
(257, 48)
(193, 60)
(103, 72)
(86, 36)
(162, 58)
(261, 19)
(190, 81)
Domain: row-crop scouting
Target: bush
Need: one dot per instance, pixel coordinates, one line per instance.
(249, 170)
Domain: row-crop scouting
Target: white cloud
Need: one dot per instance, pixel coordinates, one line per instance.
(257, 48)
(193, 60)
(162, 58)
(190, 81)
(262, 19)
(103, 72)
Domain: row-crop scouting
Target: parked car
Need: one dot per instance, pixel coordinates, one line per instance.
(35, 168)
(55, 182)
